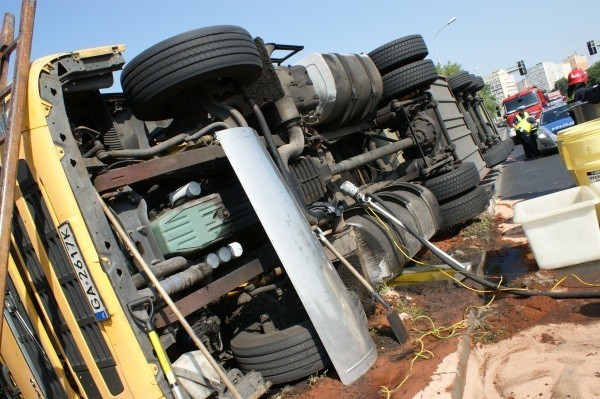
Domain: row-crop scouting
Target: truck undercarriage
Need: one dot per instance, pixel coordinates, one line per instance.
(216, 161)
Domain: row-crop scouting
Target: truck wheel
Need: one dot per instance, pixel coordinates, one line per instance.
(416, 75)
(455, 182)
(282, 356)
(477, 84)
(509, 144)
(168, 68)
(398, 53)
(495, 155)
(465, 208)
(288, 354)
(460, 81)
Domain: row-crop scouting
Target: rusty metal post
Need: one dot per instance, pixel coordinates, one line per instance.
(12, 141)
(7, 36)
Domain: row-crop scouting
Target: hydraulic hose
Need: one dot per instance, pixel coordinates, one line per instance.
(383, 209)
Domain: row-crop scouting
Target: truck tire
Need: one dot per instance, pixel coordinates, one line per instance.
(460, 81)
(168, 68)
(477, 84)
(509, 144)
(416, 75)
(464, 208)
(288, 354)
(282, 356)
(455, 182)
(398, 53)
(495, 155)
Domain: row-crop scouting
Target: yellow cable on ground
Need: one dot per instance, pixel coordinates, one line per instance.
(576, 277)
(437, 332)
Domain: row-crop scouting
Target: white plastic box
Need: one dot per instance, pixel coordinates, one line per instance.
(562, 227)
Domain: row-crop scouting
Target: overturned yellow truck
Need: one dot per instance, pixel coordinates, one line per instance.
(209, 173)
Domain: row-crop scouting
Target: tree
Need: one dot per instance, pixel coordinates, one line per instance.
(452, 68)
(561, 84)
(488, 100)
(594, 74)
(448, 70)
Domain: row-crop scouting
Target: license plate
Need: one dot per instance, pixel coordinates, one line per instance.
(82, 272)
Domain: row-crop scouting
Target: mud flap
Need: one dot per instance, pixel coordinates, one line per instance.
(318, 285)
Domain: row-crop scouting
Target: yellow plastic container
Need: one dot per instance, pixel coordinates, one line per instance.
(579, 148)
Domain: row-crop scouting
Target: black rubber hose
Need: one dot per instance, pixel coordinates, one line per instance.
(313, 217)
(146, 152)
(501, 289)
(270, 287)
(165, 145)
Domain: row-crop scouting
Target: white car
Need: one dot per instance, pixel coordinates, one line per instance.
(546, 140)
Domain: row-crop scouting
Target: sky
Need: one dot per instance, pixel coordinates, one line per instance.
(485, 36)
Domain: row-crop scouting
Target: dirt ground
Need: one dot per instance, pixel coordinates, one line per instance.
(517, 347)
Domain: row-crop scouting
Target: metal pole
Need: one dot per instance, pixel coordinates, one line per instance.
(12, 142)
(435, 37)
(6, 38)
(363, 159)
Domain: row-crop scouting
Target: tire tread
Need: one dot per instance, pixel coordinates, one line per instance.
(416, 75)
(399, 52)
(455, 182)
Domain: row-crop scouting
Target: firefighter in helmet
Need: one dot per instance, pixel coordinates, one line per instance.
(578, 91)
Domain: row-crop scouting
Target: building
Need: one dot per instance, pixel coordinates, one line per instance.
(544, 75)
(576, 61)
(501, 84)
(523, 84)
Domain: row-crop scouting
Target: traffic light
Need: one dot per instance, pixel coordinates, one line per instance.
(592, 47)
(521, 66)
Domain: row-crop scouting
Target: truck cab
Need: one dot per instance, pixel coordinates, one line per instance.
(533, 99)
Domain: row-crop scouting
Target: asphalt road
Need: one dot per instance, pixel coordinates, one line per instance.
(522, 178)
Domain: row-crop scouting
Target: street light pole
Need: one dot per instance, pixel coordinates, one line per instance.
(436, 35)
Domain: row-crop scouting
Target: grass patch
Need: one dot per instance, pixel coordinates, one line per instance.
(282, 393)
(411, 310)
(486, 334)
(480, 229)
(312, 379)
(383, 289)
